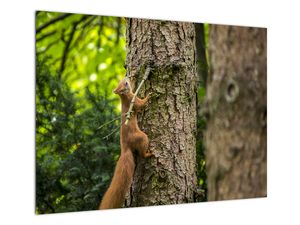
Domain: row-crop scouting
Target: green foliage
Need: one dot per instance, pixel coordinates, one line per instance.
(73, 163)
(93, 47)
(200, 150)
(79, 61)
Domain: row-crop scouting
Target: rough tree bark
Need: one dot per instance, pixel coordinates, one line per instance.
(170, 118)
(236, 141)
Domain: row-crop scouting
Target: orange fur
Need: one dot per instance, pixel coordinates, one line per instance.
(131, 139)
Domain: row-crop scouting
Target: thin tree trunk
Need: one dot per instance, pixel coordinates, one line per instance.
(236, 138)
(170, 118)
(201, 54)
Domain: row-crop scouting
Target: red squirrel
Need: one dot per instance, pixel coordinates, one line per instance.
(131, 139)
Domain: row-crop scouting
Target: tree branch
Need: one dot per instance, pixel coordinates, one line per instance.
(48, 47)
(66, 50)
(83, 31)
(45, 25)
(46, 35)
(99, 32)
(67, 47)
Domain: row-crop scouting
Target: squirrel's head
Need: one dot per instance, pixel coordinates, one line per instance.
(123, 87)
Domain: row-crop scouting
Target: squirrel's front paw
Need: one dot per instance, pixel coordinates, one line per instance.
(148, 154)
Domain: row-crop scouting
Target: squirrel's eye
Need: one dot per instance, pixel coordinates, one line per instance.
(126, 84)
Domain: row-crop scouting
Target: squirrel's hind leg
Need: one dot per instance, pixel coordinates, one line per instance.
(142, 145)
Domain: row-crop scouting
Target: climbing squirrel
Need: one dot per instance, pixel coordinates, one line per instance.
(131, 139)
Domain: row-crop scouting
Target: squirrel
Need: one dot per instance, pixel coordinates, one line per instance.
(131, 139)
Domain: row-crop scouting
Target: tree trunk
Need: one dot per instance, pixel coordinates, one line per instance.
(201, 53)
(170, 118)
(236, 138)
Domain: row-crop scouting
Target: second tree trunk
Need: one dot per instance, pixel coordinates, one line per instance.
(236, 138)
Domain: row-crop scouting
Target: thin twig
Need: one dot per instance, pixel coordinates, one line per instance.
(128, 114)
(115, 130)
(105, 124)
(111, 121)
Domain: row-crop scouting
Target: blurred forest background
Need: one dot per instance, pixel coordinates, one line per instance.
(79, 61)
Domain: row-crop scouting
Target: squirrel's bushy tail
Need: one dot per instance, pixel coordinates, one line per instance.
(120, 184)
